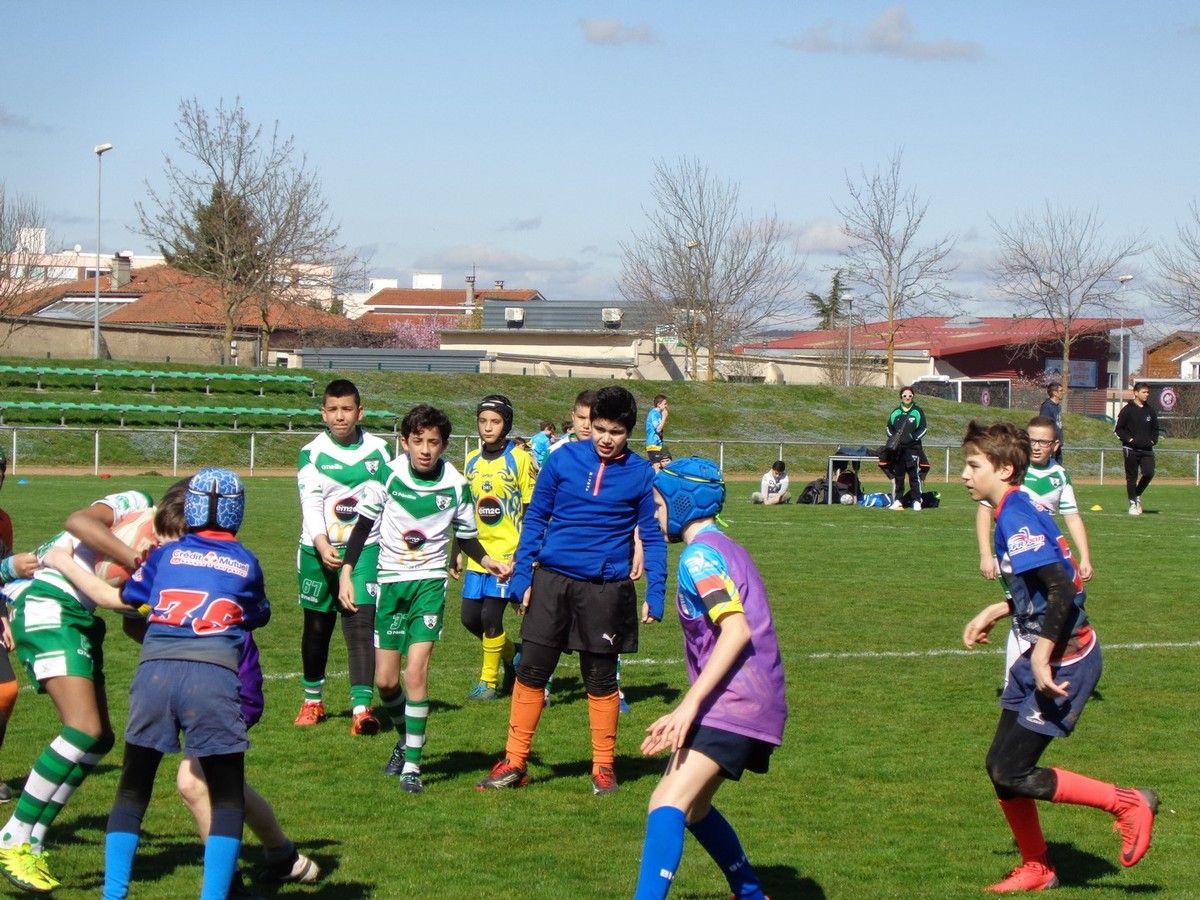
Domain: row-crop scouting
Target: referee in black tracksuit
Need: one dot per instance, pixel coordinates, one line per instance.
(1137, 427)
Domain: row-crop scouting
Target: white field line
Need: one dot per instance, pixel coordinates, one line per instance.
(854, 654)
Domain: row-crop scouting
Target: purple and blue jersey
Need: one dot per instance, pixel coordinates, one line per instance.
(751, 701)
(1026, 538)
(205, 591)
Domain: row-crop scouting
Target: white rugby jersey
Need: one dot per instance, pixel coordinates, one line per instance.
(332, 479)
(415, 517)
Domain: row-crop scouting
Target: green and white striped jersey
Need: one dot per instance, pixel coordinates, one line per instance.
(1051, 489)
(415, 517)
(332, 479)
(49, 583)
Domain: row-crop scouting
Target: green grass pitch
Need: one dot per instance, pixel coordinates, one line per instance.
(878, 791)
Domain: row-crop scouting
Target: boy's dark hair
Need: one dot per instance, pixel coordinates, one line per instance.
(585, 398)
(342, 387)
(1003, 443)
(169, 520)
(909, 388)
(659, 398)
(423, 416)
(544, 424)
(1042, 422)
(778, 466)
(1138, 385)
(616, 405)
(567, 425)
(1052, 387)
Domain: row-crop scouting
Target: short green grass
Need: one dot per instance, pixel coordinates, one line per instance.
(878, 791)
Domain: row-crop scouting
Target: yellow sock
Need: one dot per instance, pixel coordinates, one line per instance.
(492, 647)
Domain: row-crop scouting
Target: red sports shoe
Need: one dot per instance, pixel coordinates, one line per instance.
(365, 723)
(604, 780)
(1135, 822)
(1031, 875)
(311, 713)
(504, 775)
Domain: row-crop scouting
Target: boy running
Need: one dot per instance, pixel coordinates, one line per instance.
(205, 591)
(579, 531)
(422, 501)
(732, 717)
(333, 472)
(501, 479)
(60, 641)
(1049, 683)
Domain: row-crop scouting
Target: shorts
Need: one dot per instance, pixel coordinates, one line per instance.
(410, 612)
(478, 585)
(57, 637)
(593, 616)
(198, 698)
(734, 753)
(1053, 716)
(319, 586)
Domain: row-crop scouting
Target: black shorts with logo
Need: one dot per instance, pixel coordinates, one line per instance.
(596, 616)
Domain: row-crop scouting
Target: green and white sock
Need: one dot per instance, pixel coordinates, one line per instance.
(416, 717)
(51, 772)
(314, 691)
(394, 707)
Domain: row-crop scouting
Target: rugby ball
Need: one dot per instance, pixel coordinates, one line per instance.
(135, 530)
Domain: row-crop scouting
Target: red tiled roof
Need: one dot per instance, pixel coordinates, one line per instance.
(167, 296)
(942, 335)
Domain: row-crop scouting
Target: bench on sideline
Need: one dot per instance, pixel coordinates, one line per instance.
(147, 411)
(153, 376)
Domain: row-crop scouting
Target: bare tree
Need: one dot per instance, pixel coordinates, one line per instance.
(703, 267)
(1053, 264)
(1178, 287)
(22, 253)
(899, 277)
(246, 212)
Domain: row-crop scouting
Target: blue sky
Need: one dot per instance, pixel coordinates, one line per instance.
(521, 137)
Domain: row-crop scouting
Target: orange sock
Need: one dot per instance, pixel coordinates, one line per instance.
(1084, 791)
(1022, 816)
(523, 721)
(8, 698)
(603, 715)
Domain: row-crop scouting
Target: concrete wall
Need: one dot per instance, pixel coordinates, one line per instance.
(60, 339)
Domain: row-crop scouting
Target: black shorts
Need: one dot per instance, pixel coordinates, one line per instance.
(596, 616)
(734, 753)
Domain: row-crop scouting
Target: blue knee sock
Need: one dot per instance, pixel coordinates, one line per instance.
(220, 862)
(661, 852)
(720, 840)
(119, 850)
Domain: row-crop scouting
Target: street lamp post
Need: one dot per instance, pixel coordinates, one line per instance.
(693, 245)
(99, 150)
(1124, 280)
(848, 293)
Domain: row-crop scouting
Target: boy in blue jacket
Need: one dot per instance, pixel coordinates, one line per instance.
(579, 530)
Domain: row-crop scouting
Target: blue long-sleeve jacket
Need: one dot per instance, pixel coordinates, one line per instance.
(582, 518)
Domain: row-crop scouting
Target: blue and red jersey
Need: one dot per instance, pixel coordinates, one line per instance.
(1026, 538)
(205, 591)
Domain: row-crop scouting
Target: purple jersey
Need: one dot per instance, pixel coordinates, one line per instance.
(751, 700)
(250, 682)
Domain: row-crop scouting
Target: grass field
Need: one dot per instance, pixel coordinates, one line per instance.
(878, 791)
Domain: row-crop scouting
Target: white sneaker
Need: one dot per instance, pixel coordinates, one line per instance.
(896, 504)
(1135, 508)
(1139, 503)
(303, 871)
(916, 507)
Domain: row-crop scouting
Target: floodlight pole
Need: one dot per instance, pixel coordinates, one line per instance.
(848, 293)
(1124, 280)
(99, 150)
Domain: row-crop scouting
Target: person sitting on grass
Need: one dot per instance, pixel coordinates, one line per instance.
(732, 717)
(774, 486)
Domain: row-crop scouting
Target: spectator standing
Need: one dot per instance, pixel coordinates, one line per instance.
(540, 442)
(1137, 427)
(656, 423)
(1051, 408)
(906, 427)
(774, 487)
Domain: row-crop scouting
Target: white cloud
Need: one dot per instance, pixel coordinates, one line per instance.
(614, 33)
(889, 34)
(16, 122)
(533, 223)
(819, 237)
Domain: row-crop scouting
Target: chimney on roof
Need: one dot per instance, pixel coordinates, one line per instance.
(498, 284)
(470, 301)
(120, 272)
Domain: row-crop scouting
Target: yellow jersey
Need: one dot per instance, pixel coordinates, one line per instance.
(501, 488)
